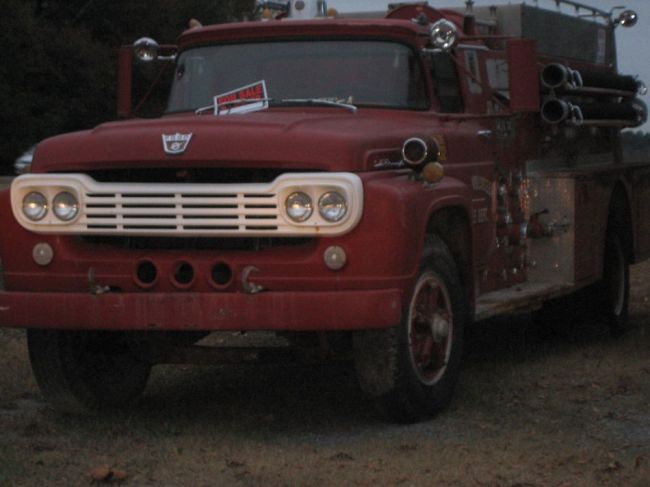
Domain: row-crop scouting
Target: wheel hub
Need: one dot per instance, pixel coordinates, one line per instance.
(439, 328)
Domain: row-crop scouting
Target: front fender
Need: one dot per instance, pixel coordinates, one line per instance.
(397, 212)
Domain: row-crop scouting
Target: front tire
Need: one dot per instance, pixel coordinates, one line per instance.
(411, 370)
(84, 371)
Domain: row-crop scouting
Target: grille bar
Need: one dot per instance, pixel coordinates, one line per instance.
(210, 211)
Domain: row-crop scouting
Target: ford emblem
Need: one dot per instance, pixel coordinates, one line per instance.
(175, 144)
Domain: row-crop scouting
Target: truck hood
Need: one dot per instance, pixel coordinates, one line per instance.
(330, 139)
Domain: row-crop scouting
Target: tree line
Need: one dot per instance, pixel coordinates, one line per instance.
(636, 146)
(59, 61)
(59, 68)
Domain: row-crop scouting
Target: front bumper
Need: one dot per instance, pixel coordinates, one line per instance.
(299, 311)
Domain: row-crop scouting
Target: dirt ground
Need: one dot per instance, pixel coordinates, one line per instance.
(570, 409)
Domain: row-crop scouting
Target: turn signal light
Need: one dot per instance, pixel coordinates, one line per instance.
(433, 172)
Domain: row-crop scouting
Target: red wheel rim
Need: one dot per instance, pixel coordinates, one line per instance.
(430, 328)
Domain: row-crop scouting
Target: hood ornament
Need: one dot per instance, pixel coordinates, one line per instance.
(175, 144)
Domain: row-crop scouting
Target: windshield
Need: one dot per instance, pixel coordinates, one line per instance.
(363, 73)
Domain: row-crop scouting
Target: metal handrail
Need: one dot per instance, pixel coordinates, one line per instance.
(596, 12)
(578, 6)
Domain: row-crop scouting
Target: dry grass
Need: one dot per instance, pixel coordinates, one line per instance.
(567, 410)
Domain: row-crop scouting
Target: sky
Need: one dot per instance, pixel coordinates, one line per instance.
(633, 43)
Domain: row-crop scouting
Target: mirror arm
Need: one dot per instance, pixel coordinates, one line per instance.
(125, 82)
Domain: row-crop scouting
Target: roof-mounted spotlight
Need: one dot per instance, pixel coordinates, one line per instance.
(444, 35)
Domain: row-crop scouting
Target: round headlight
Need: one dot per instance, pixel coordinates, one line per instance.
(299, 206)
(65, 206)
(332, 206)
(35, 206)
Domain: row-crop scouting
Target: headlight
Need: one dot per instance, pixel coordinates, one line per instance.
(299, 206)
(332, 206)
(34, 206)
(65, 206)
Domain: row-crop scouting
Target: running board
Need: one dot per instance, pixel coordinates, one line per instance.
(523, 297)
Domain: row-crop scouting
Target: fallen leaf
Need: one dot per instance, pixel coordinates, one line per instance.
(100, 473)
(120, 475)
(613, 466)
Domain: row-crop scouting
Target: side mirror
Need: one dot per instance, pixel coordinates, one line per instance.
(627, 18)
(145, 50)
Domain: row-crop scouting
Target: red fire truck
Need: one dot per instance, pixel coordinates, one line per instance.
(368, 186)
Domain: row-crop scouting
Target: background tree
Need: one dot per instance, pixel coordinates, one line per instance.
(60, 57)
(636, 146)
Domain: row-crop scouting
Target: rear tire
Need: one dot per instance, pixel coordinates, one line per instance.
(605, 302)
(412, 370)
(614, 289)
(83, 371)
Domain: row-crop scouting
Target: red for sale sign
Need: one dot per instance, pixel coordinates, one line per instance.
(246, 99)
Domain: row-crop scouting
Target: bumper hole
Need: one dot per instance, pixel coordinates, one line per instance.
(221, 274)
(147, 273)
(184, 273)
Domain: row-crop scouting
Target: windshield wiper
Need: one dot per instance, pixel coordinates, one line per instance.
(320, 101)
(240, 101)
(285, 101)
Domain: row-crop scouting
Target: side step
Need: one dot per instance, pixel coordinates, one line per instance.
(522, 297)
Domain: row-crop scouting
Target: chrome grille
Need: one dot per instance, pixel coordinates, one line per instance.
(186, 212)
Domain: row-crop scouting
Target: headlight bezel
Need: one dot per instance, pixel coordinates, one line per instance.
(258, 207)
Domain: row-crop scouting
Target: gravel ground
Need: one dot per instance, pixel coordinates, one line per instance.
(571, 409)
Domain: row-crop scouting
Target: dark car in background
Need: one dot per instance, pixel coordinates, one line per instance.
(23, 164)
